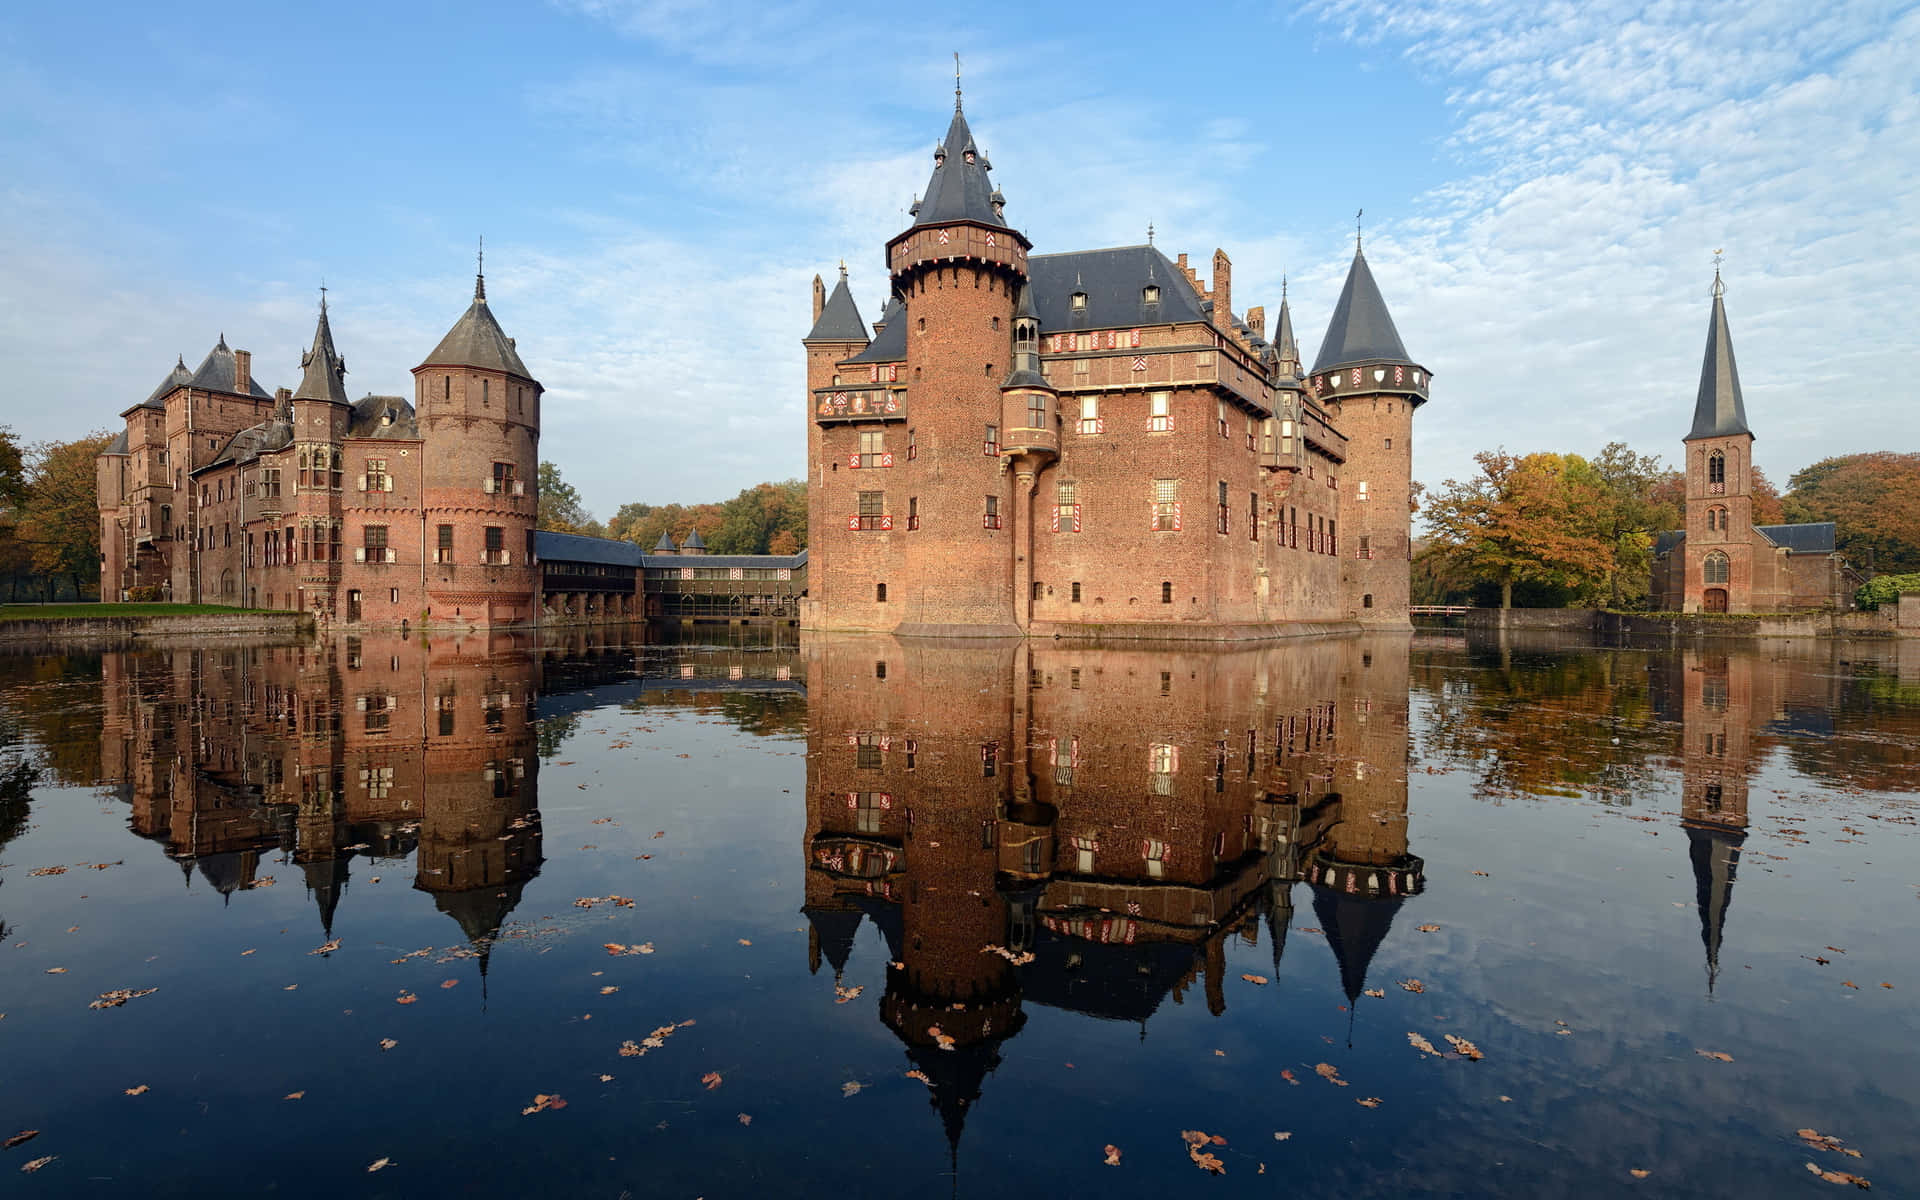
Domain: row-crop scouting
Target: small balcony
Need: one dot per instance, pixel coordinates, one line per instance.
(1027, 440)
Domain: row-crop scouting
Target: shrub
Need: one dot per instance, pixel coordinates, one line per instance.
(144, 595)
(1885, 589)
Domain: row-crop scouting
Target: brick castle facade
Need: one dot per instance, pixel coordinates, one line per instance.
(1096, 442)
(371, 511)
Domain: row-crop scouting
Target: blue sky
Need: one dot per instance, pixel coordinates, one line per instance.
(658, 182)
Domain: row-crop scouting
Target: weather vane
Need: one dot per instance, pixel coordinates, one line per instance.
(956, 81)
(1356, 227)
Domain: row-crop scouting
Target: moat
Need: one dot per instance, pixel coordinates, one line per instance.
(570, 913)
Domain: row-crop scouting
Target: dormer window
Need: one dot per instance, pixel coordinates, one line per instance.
(1079, 302)
(1150, 294)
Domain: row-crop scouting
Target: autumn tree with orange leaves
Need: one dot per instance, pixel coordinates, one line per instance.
(1536, 518)
(1873, 498)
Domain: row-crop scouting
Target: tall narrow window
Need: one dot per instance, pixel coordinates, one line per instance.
(1716, 473)
(1037, 411)
(913, 512)
(879, 593)
(1166, 591)
(991, 519)
(990, 446)
(1220, 410)
(1253, 516)
(1159, 412)
(1715, 568)
(873, 512)
(1166, 504)
(443, 550)
(1363, 489)
(1221, 514)
(1076, 600)
(497, 554)
(873, 450)
(913, 449)
(1090, 421)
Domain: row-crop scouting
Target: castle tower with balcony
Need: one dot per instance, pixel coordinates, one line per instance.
(478, 409)
(1371, 388)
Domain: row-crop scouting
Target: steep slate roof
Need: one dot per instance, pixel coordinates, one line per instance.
(840, 319)
(1286, 346)
(958, 190)
(1668, 541)
(694, 542)
(274, 433)
(1718, 409)
(1715, 854)
(1114, 280)
(323, 372)
(1362, 329)
(216, 373)
(118, 445)
(1815, 537)
(178, 377)
(1355, 926)
(665, 543)
(890, 339)
(704, 561)
(368, 419)
(476, 340)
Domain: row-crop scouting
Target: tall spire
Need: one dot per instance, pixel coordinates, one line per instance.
(323, 371)
(1361, 330)
(480, 274)
(960, 188)
(1285, 344)
(1718, 408)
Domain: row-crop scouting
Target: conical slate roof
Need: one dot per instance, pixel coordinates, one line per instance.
(178, 377)
(1361, 330)
(840, 319)
(959, 189)
(217, 371)
(693, 542)
(1715, 854)
(833, 932)
(1287, 346)
(1719, 410)
(1355, 926)
(665, 544)
(323, 371)
(476, 340)
(326, 883)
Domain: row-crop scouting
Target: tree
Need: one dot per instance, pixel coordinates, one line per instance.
(1768, 508)
(1873, 498)
(1641, 500)
(751, 521)
(1525, 519)
(60, 516)
(561, 509)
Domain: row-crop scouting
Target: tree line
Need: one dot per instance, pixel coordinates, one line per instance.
(1550, 530)
(49, 518)
(767, 518)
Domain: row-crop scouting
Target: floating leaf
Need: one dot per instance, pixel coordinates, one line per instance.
(711, 1079)
(1368, 1102)
(1464, 1048)
(1639, 1172)
(24, 1136)
(36, 1164)
(1255, 979)
(1330, 1073)
(56, 970)
(1413, 985)
(1715, 1055)
(1376, 993)
(447, 983)
(139, 1090)
(379, 1164)
(843, 994)
(1288, 1076)
(294, 1095)
(543, 1103)
(743, 1118)
(921, 1076)
(388, 1043)
(329, 948)
(1840, 1177)
(1429, 928)
(406, 998)
(1113, 1155)
(1421, 1044)
(851, 1088)
(120, 996)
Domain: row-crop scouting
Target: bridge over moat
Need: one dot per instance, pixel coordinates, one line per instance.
(605, 579)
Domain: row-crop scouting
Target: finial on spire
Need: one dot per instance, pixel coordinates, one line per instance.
(323, 295)
(1149, 233)
(480, 272)
(1283, 288)
(1719, 289)
(843, 268)
(956, 81)
(1356, 229)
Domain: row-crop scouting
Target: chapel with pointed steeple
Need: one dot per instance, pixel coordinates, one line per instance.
(1034, 444)
(1723, 560)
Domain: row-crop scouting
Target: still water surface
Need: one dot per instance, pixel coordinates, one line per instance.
(871, 917)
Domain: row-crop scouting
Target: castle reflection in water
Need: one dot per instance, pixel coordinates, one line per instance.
(1022, 823)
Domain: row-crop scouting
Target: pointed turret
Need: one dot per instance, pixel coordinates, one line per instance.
(1026, 347)
(959, 189)
(326, 882)
(323, 371)
(693, 544)
(1719, 410)
(839, 319)
(665, 544)
(1715, 854)
(476, 340)
(1355, 926)
(830, 932)
(1361, 331)
(1286, 346)
(178, 377)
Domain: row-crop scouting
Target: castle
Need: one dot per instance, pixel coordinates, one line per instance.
(1722, 562)
(370, 511)
(1095, 442)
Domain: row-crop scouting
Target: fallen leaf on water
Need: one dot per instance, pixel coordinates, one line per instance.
(1219, 1053)
(447, 983)
(711, 1079)
(290, 987)
(659, 834)
(745, 942)
(406, 998)
(1848, 983)
(244, 953)
(294, 1095)
(1206, 1161)
(843, 994)
(1260, 979)
(1639, 1172)
(25, 1135)
(36, 1164)
(140, 1090)
(609, 990)
(1288, 1076)
(1282, 1136)
(744, 1119)
(1479, 872)
(1715, 1055)
(379, 1163)
(1413, 985)
(1306, 930)
(1376, 993)
(1421, 1044)
(1368, 1102)
(56, 970)
(1330, 1073)
(119, 996)
(1464, 1048)
(921, 1076)
(329, 948)
(1113, 1155)
(851, 1087)
(542, 1103)
(388, 1043)
(1429, 928)
(1840, 1177)
(48, 871)
(944, 1041)
(1887, 986)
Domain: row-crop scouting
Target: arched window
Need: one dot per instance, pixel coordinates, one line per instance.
(1717, 470)
(1714, 568)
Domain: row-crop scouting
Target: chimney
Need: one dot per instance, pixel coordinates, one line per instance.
(1257, 320)
(242, 371)
(283, 403)
(1222, 291)
(819, 299)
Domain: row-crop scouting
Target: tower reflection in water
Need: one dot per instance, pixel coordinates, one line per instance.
(1085, 828)
(371, 748)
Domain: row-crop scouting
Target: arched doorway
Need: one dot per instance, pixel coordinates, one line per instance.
(1714, 600)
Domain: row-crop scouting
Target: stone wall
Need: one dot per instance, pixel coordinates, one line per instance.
(106, 629)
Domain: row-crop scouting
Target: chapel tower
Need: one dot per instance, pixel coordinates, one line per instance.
(478, 409)
(1719, 453)
(1371, 388)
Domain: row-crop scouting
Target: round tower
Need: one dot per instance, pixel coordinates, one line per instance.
(479, 412)
(1371, 388)
(958, 269)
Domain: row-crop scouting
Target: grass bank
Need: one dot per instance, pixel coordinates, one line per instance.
(94, 612)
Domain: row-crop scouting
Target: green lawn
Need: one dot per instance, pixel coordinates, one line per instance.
(66, 612)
